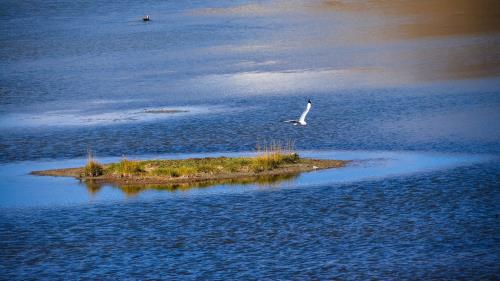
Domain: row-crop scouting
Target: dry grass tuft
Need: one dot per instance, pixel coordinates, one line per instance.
(269, 157)
(126, 167)
(273, 155)
(92, 168)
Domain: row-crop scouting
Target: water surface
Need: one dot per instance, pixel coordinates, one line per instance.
(25, 190)
(408, 89)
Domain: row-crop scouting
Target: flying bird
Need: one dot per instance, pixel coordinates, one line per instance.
(302, 119)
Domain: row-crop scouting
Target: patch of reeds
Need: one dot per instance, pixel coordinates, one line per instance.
(92, 168)
(269, 156)
(127, 168)
(273, 155)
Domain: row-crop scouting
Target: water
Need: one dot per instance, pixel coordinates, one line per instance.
(411, 92)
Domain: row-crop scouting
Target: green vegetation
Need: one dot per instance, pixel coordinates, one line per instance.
(92, 168)
(201, 166)
(270, 157)
(126, 168)
(271, 161)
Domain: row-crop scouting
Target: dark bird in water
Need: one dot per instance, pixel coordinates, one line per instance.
(145, 18)
(302, 119)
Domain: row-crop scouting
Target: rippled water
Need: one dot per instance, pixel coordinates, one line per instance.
(364, 165)
(428, 225)
(410, 91)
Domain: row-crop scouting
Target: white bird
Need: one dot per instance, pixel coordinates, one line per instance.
(302, 119)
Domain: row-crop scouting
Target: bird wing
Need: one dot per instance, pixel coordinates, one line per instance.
(303, 115)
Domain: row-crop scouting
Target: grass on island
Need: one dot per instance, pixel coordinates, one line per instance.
(270, 157)
(272, 160)
(92, 168)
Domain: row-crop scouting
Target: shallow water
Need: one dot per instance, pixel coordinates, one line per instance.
(426, 225)
(410, 91)
(365, 165)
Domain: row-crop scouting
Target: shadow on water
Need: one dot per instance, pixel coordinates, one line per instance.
(93, 187)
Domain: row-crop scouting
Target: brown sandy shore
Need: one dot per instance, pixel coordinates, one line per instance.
(304, 165)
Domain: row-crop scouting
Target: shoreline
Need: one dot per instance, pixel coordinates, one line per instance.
(302, 165)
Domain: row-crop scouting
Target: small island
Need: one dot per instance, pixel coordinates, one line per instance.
(194, 170)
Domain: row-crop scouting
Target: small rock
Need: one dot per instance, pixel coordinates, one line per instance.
(315, 167)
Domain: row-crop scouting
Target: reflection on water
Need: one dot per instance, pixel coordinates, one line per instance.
(404, 42)
(20, 189)
(131, 190)
(421, 225)
(428, 18)
(92, 186)
(444, 39)
(240, 10)
(365, 64)
(319, 80)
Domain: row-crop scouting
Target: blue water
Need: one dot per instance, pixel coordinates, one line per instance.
(413, 101)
